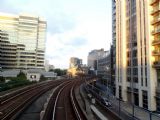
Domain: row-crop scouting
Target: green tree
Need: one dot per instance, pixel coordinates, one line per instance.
(2, 79)
(51, 70)
(21, 76)
(64, 71)
(59, 71)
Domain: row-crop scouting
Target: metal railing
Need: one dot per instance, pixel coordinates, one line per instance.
(125, 110)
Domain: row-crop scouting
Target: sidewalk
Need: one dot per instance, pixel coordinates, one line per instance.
(125, 111)
(105, 113)
(139, 113)
(86, 103)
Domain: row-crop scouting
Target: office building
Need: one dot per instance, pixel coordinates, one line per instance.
(76, 67)
(75, 62)
(103, 68)
(22, 41)
(137, 52)
(93, 56)
(113, 46)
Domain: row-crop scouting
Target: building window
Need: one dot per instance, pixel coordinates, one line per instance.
(146, 71)
(135, 80)
(141, 71)
(136, 97)
(158, 104)
(134, 62)
(135, 71)
(128, 54)
(142, 81)
(120, 92)
(145, 99)
(33, 76)
(128, 71)
(146, 81)
(158, 101)
(134, 53)
(128, 79)
(158, 78)
(145, 60)
(128, 63)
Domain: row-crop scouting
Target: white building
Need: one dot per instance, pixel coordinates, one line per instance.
(137, 52)
(93, 56)
(10, 73)
(35, 75)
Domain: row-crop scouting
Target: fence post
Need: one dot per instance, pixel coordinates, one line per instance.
(119, 106)
(133, 110)
(150, 115)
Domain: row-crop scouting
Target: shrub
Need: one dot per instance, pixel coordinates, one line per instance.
(2, 79)
(20, 80)
(42, 78)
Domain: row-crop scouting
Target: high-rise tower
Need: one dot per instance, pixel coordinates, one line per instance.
(22, 41)
(136, 76)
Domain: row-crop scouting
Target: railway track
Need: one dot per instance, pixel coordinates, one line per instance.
(12, 94)
(78, 111)
(63, 104)
(13, 104)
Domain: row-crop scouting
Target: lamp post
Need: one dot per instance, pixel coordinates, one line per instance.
(119, 109)
(107, 71)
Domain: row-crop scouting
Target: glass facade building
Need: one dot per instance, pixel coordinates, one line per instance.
(22, 41)
(113, 48)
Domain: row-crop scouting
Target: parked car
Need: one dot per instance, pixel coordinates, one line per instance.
(106, 102)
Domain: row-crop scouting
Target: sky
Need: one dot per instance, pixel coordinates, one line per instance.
(74, 27)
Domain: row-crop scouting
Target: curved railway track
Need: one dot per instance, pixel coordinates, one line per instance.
(63, 104)
(13, 104)
(11, 95)
(78, 111)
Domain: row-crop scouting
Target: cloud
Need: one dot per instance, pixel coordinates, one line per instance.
(77, 41)
(60, 23)
(74, 27)
(61, 46)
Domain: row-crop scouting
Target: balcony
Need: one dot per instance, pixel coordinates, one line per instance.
(155, 10)
(156, 64)
(155, 21)
(155, 42)
(152, 2)
(114, 12)
(156, 52)
(114, 32)
(154, 32)
(114, 26)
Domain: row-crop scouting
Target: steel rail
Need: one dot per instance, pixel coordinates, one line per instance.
(74, 105)
(55, 105)
(34, 94)
(15, 94)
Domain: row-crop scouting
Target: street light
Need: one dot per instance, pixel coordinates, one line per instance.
(107, 68)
